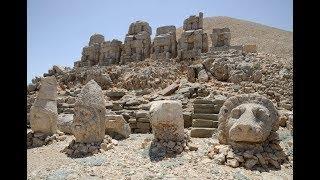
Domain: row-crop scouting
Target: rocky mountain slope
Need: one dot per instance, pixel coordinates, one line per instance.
(129, 89)
(268, 39)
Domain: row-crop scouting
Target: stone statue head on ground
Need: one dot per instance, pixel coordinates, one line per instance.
(89, 114)
(248, 118)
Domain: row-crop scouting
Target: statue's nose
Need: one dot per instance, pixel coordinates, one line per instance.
(244, 128)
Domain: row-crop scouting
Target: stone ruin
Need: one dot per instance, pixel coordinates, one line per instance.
(193, 40)
(192, 44)
(88, 125)
(247, 133)
(100, 52)
(164, 44)
(168, 128)
(230, 65)
(220, 37)
(110, 52)
(44, 115)
(137, 43)
(91, 53)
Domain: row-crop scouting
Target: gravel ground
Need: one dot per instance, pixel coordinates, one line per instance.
(129, 160)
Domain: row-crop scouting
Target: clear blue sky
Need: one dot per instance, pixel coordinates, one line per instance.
(58, 29)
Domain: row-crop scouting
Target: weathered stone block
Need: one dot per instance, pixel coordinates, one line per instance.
(166, 119)
(204, 123)
(202, 132)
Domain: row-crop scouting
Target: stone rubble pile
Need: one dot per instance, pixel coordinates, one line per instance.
(79, 149)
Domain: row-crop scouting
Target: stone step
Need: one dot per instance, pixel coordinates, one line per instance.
(202, 101)
(144, 120)
(143, 125)
(202, 132)
(131, 107)
(204, 123)
(205, 116)
(142, 114)
(187, 117)
(206, 108)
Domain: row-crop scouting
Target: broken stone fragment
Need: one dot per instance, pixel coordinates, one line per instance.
(250, 163)
(117, 124)
(203, 76)
(219, 158)
(65, 123)
(232, 162)
(169, 90)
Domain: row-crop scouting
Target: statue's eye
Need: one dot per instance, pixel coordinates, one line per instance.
(236, 113)
(259, 112)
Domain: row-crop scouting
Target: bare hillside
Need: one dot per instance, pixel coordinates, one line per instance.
(269, 39)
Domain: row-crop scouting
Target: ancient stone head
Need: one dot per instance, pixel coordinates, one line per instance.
(89, 114)
(166, 119)
(44, 113)
(247, 118)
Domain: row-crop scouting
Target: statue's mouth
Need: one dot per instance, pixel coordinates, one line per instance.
(254, 135)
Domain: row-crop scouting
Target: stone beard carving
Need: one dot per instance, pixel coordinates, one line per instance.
(44, 117)
(247, 118)
(89, 114)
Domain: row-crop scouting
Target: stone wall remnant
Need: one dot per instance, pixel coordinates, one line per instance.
(137, 43)
(193, 22)
(164, 44)
(193, 40)
(110, 52)
(220, 37)
(100, 52)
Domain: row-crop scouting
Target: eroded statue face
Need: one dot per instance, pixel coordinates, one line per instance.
(249, 122)
(88, 124)
(84, 115)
